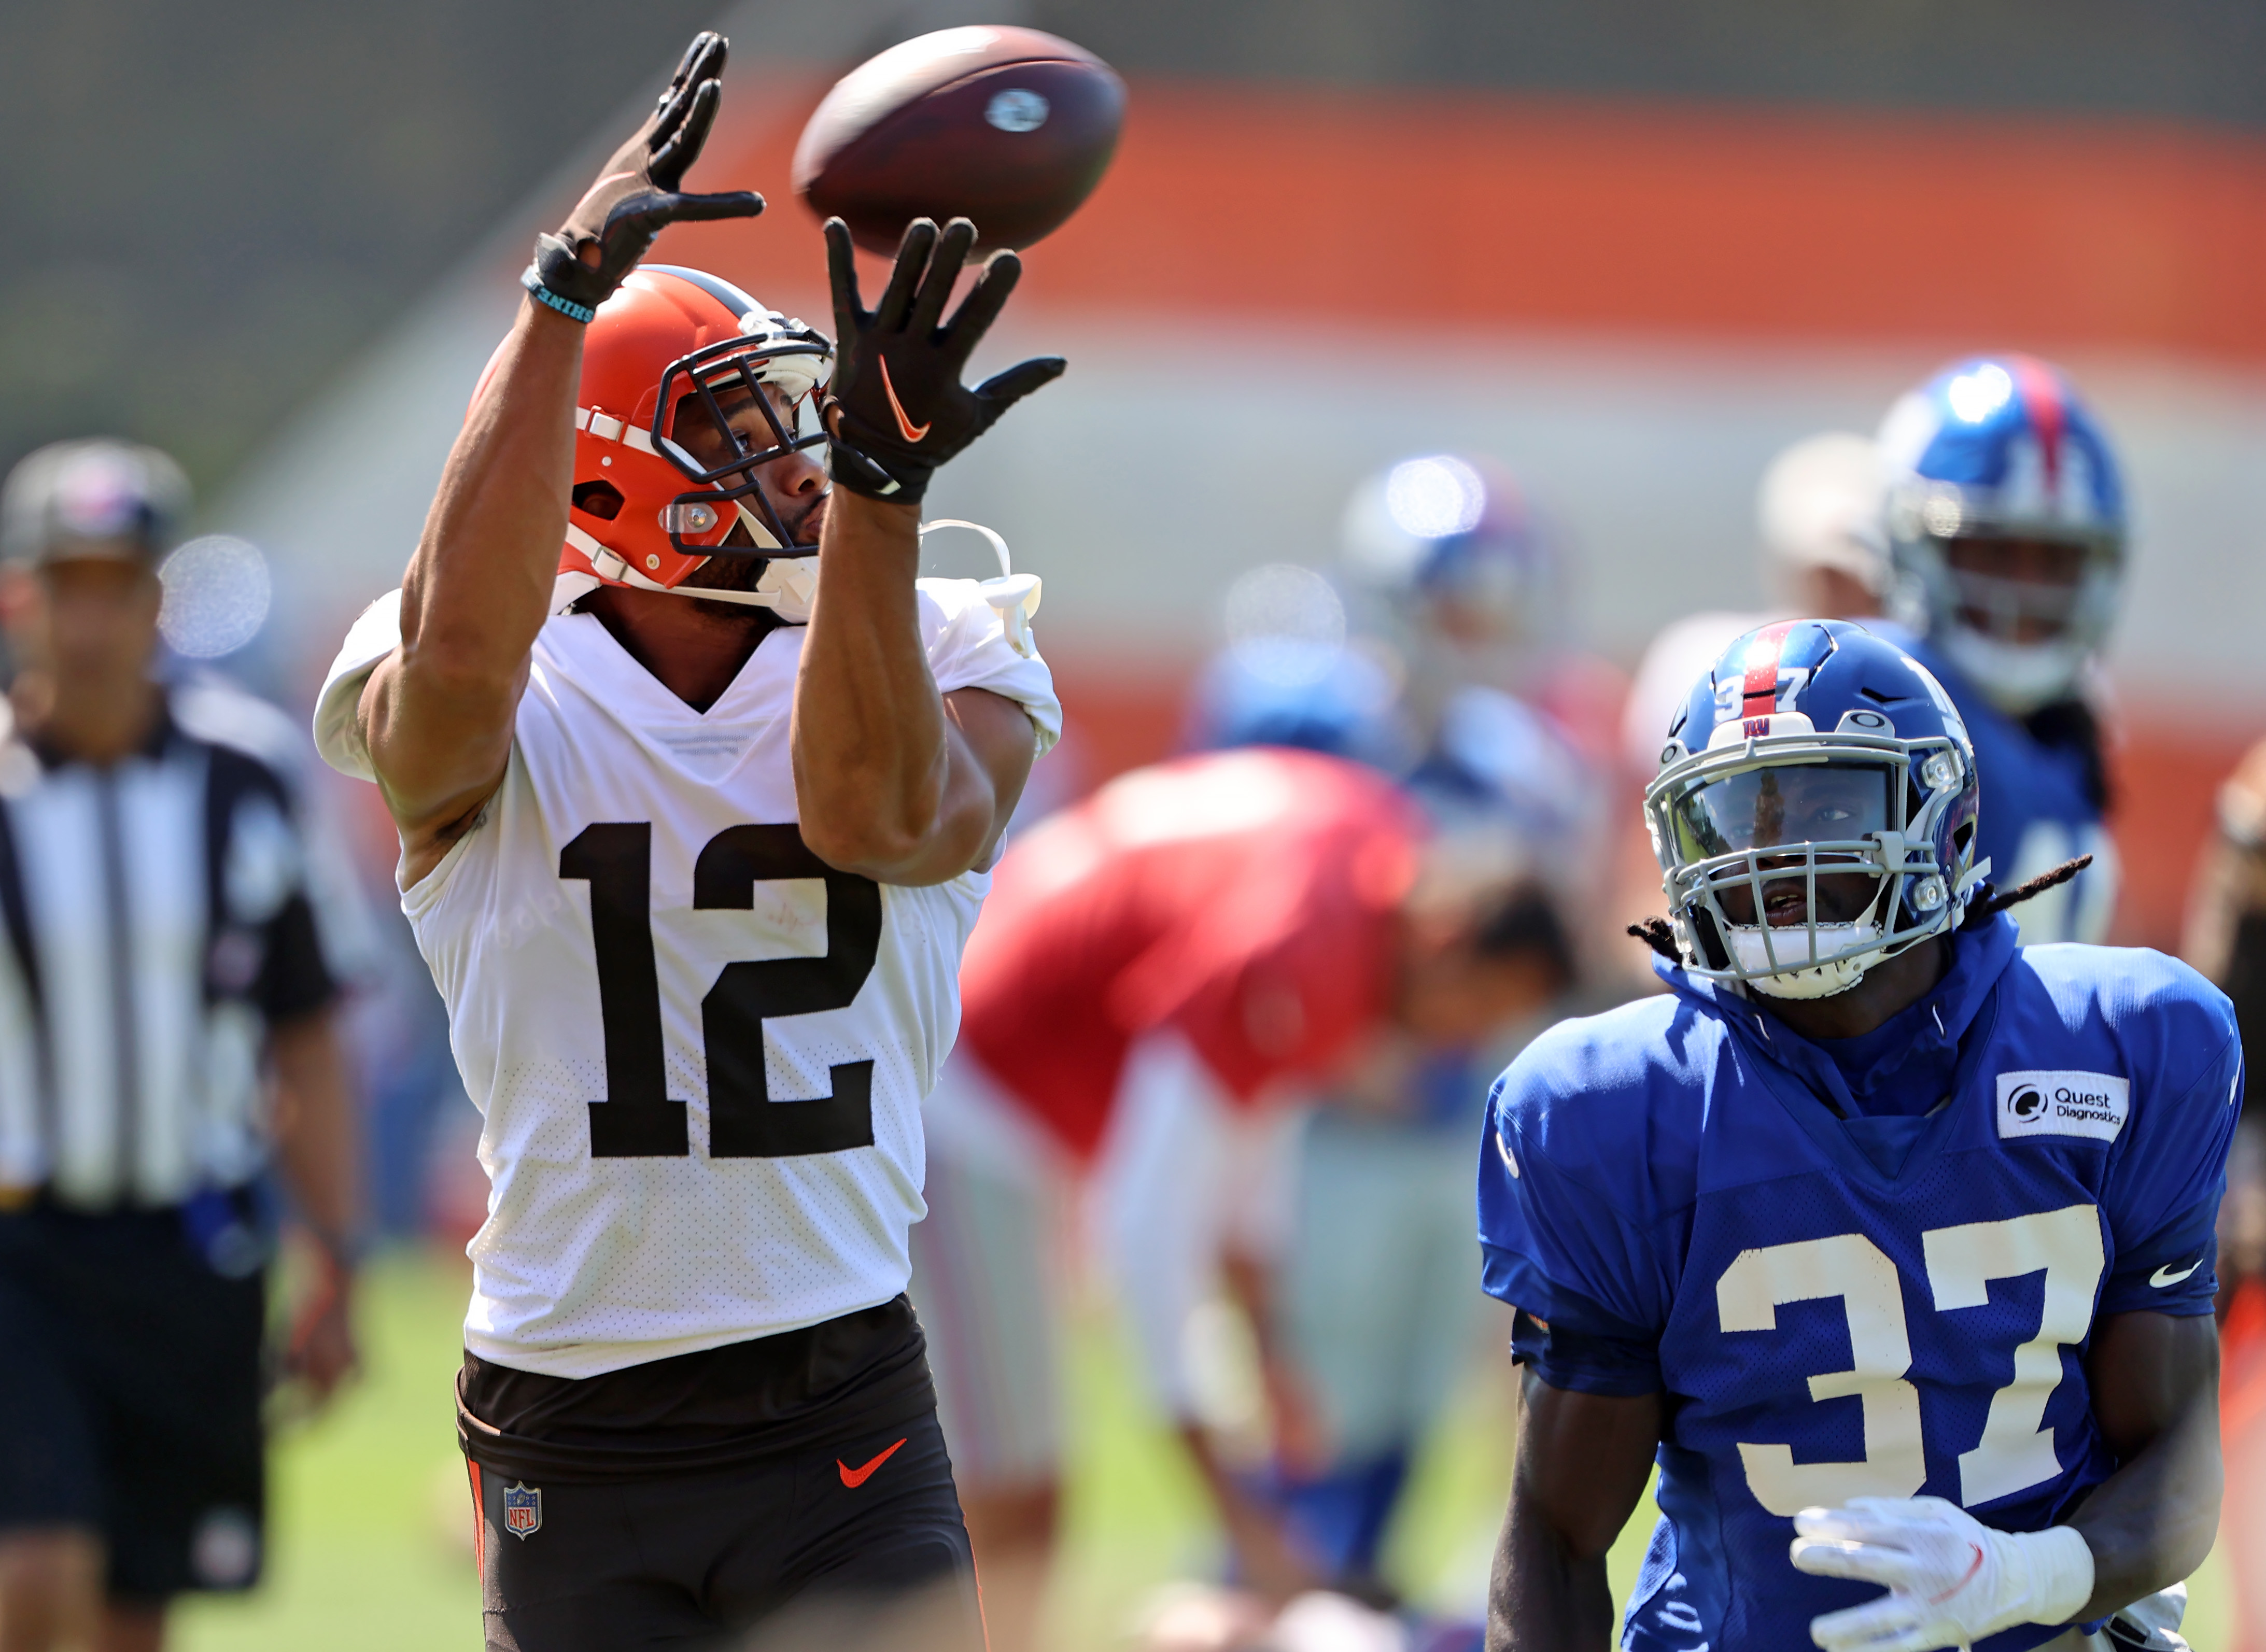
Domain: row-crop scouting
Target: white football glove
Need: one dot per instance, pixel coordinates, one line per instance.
(1951, 1579)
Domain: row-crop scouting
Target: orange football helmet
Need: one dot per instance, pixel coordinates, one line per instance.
(644, 511)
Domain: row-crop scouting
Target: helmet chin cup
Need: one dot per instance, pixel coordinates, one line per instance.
(791, 584)
(1780, 963)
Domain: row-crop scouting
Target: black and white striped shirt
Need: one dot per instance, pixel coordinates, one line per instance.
(157, 924)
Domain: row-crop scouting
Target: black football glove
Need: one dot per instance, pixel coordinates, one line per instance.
(895, 407)
(636, 197)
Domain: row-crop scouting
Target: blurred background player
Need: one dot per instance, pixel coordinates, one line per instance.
(2225, 939)
(1357, 1284)
(1825, 556)
(1203, 934)
(166, 1035)
(1460, 584)
(1817, 1171)
(2006, 525)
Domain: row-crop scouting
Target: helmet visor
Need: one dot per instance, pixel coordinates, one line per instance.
(1784, 805)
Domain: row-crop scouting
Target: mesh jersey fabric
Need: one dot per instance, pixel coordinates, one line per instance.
(1244, 900)
(1663, 1183)
(589, 1261)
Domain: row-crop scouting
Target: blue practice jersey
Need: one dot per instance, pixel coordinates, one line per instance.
(1682, 1190)
(2036, 810)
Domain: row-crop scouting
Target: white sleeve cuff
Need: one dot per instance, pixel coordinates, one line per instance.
(2060, 1565)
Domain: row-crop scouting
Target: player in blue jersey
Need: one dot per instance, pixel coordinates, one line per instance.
(2005, 528)
(1888, 1237)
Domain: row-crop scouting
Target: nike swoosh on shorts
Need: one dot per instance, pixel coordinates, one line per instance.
(2164, 1275)
(854, 1477)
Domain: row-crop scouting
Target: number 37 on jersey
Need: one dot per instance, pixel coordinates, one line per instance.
(1850, 1275)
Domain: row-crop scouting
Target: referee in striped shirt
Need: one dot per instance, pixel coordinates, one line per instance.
(165, 1028)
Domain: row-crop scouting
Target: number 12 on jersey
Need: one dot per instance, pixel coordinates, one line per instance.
(639, 1119)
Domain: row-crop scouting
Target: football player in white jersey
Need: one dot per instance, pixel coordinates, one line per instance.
(694, 822)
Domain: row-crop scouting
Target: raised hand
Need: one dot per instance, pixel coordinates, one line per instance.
(896, 408)
(637, 196)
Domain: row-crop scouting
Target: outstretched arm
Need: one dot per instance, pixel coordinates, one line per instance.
(1582, 1463)
(437, 714)
(891, 778)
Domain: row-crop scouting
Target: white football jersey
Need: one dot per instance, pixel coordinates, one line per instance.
(700, 1052)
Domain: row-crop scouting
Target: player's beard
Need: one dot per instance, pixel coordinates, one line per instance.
(742, 573)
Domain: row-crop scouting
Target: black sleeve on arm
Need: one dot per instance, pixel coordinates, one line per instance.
(295, 979)
(283, 973)
(1585, 1362)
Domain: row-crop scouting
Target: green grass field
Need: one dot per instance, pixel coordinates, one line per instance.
(371, 1525)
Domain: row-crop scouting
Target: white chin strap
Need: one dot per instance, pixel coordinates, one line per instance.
(1794, 977)
(788, 584)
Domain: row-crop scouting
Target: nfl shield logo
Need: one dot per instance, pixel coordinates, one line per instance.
(523, 1509)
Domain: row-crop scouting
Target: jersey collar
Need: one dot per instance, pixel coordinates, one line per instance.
(1806, 1081)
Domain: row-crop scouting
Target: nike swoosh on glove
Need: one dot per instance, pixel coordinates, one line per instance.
(636, 196)
(1951, 1579)
(895, 407)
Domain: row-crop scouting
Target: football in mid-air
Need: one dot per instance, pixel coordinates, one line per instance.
(1008, 126)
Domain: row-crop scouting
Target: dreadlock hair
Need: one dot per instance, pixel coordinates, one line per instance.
(1660, 935)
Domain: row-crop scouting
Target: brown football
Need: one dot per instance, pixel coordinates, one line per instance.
(1007, 127)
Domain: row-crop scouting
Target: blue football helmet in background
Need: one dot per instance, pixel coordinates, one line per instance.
(1450, 541)
(2006, 525)
(1814, 810)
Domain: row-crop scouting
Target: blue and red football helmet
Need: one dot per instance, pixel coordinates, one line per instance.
(2002, 448)
(1813, 752)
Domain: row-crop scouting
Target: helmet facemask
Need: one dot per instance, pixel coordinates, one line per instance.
(2024, 638)
(727, 512)
(1796, 863)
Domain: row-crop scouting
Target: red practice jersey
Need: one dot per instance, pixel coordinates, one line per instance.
(1243, 899)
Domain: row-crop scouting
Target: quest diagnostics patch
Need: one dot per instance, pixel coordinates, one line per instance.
(2093, 1104)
